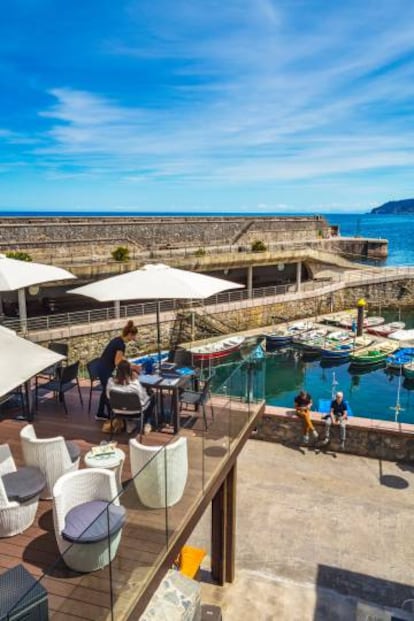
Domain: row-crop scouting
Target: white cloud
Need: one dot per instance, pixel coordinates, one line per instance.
(256, 93)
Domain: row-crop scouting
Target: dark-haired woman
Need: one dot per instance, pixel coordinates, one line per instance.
(111, 356)
(127, 380)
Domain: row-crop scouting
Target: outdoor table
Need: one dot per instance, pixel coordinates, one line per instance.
(112, 461)
(170, 383)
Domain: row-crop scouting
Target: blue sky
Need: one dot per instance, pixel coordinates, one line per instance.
(203, 105)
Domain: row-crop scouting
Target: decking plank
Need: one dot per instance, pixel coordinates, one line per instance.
(74, 596)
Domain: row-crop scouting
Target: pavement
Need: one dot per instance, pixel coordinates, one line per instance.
(321, 536)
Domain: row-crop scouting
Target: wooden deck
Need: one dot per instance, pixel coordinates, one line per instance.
(151, 538)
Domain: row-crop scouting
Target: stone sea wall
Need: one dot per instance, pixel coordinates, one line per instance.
(364, 436)
(100, 235)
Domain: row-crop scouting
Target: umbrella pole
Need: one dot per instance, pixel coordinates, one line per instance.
(117, 308)
(158, 331)
(22, 309)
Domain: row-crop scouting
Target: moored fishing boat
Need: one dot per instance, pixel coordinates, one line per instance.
(342, 351)
(217, 349)
(283, 336)
(373, 354)
(400, 357)
(386, 329)
(369, 322)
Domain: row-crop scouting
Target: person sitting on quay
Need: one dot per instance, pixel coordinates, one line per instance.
(303, 404)
(127, 380)
(338, 415)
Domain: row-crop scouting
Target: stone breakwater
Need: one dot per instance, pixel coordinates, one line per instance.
(100, 234)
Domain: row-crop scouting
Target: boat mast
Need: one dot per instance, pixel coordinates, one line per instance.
(397, 407)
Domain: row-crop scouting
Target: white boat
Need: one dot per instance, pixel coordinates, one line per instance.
(386, 329)
(217, 349)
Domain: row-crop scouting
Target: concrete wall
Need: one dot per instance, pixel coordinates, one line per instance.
(370, 438)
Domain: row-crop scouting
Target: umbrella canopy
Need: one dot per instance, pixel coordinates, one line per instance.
(156, 282)
(21, 360)
(16, 274)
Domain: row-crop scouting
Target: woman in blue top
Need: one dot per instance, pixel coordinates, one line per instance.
(111, 356)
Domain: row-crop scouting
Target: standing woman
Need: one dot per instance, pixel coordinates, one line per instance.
(111, 356)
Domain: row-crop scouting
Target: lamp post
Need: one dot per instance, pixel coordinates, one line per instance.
(360, 317)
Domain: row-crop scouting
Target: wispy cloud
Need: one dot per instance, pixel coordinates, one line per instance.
(242, 93)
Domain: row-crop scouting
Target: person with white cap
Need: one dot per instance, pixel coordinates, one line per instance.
(338, 415)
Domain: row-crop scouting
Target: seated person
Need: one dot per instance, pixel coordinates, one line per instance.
(338, 415)
(127, 380)
(303, 404)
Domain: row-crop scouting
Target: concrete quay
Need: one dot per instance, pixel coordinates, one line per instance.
(320, 537)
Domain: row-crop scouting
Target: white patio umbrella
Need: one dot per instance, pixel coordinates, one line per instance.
(156, 282)
(15, 275)
(21, 360)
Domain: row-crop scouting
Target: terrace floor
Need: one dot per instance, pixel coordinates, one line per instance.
(150, 539)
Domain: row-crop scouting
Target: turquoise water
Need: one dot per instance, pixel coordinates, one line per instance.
(372, 393)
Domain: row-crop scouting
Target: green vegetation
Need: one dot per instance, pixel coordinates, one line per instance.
(120, 254)
(258, 246)
(19, 255)
(200, 252)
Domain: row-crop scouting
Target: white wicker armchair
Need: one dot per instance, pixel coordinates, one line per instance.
(51, 455)
(75, 490)
(15, 516)
(159, 473)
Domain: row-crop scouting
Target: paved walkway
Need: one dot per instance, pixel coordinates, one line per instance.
(317, 535)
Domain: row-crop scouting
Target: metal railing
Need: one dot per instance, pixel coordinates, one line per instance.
(351, 278)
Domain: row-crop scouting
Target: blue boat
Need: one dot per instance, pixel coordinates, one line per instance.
(400, 357)
(338, 352)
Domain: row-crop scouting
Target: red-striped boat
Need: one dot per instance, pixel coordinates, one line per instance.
(217, 349)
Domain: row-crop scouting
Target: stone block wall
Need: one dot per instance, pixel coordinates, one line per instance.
(365, 437)
(151, 233)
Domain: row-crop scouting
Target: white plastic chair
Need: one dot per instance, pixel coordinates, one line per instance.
(51, 455)
(159, 473)
(72, 490)
(15, 517)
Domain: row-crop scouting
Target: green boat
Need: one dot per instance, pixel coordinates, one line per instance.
(373, 354)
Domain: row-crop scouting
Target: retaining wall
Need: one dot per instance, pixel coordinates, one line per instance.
(366, 437)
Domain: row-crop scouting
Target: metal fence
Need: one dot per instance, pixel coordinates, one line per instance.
(351, 278)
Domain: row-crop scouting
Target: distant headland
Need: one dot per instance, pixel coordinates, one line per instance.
(398, 207)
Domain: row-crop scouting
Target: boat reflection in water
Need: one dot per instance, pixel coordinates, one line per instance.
(355, 369)
(370, 392)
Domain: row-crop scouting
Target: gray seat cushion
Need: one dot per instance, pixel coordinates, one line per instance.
(88, 522)
(73, 450)
(24, 484)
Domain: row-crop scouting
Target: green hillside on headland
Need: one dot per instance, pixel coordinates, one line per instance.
(403, 207)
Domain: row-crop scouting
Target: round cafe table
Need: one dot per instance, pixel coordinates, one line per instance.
(114, 461)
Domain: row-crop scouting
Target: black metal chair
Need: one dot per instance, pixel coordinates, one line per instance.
(59, 348)
(198, 398)
(126, 405)
(53, 372)
(67, 380)
(95, 384)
